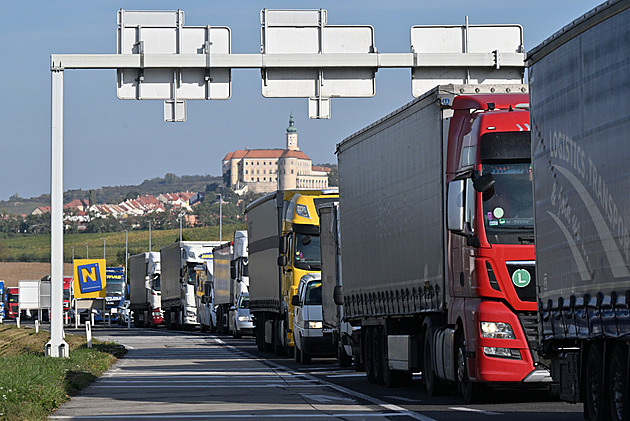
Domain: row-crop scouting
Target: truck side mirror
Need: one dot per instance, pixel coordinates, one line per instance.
(338, 295)
(483, 183)
(295, 301)
(283, 245)
(282, 260)
(455, 206)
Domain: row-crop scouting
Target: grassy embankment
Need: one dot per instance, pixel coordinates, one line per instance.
(32, 386)
(36, 248)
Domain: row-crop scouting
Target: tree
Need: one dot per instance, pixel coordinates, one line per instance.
(170, 178)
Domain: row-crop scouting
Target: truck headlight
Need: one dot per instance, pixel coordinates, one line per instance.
(302, 210)
(492, 351)
(243, 318)
(191, 313)
(315, 325)
(496, 330)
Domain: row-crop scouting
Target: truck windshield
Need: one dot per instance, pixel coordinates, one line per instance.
(307, 253)
(511, 208)
(313, 293)
(244, 302)
(114, 288)
(245, 267)
(157, 286)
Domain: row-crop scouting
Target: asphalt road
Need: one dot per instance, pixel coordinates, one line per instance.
(190, 375)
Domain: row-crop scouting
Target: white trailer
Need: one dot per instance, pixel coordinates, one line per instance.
(184, 274)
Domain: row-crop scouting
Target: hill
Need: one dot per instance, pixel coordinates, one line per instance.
(115, 194)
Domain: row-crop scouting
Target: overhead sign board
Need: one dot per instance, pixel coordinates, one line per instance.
(301, 33)
(90, 278)
(439, 58)
(163, 33)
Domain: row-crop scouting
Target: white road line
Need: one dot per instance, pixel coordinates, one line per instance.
(477, 411)
(335, 376)
(224, 416)
(207, 386)
(391, 407)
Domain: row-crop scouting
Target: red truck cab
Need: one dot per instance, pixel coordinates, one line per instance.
(492, 263)
(13, 294)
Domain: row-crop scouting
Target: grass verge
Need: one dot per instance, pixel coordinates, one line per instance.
(32, 386)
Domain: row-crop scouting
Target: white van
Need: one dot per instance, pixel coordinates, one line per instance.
(311, 339)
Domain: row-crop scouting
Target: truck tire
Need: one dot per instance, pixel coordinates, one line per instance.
(167, 319)
(204, 328)
(473, 392)
(260, 335)
(618, 380)
(368, 350)
(344, 359)
(594, 388)
(379, 358)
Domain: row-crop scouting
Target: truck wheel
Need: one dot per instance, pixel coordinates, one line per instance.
(204, 328)
(344, 359)
(369, 356)
(432, 382)
(136, 321)
(260, 336)
(594, 398)
(618, 379)
(167, 320)
(379, 358)
(472, 391)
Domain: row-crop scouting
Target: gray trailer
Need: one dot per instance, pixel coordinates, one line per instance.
(264, 228)
(184, 273)
(436, 222)
(580, 99)
(144, 289)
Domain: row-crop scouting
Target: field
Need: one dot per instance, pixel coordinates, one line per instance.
(12, 272)
(27, 254)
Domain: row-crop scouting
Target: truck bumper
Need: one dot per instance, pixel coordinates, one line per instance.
(319, 346)
(503, 360)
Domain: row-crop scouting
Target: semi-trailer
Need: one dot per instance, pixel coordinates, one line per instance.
(332, 284)
(231, 281)
(283, 235)
(145, 289)
(580, 101)
(184, 271)
(437, 251)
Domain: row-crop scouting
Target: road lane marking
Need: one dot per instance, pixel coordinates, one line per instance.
(477, 411)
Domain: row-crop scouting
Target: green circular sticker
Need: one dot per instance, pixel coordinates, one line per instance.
(521, 278)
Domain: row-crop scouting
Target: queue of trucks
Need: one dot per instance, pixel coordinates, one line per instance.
(480, 236)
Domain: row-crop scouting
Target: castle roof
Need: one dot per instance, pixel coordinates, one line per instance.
(265, 154)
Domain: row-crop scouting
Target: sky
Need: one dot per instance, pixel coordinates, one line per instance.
(112, 142)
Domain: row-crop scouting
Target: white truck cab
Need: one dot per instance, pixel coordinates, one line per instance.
(311, 339)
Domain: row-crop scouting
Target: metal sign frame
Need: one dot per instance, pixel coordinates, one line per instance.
(208, 62)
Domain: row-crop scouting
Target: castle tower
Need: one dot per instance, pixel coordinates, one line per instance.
(292, 137)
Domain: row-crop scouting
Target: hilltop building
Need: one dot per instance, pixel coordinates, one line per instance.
(267, 170)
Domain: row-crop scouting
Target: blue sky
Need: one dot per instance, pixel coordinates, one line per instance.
(111, 142)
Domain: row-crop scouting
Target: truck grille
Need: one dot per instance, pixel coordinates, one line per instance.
(529, 323)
